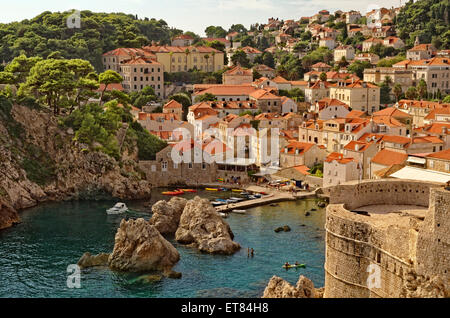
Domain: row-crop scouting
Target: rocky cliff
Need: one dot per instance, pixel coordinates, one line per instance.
(279, 288)
(40, 161)
(166, 215)
(139, 247)
(201, 226)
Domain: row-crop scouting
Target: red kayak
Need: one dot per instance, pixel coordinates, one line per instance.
(173, 193)
(189, 190)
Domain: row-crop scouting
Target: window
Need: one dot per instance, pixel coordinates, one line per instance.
(164, 166)
(190, 165)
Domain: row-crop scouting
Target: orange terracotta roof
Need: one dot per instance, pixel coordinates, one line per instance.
(444, 110)
(302, 147)
(280, 79)
(359, 146)
(435, 128)
(139, 61)
(263, 94)
(321, 65)
(250, 50)
(173, 104)
(224, 90)
(392, 111)
(444, 155)
(338, 157)
(387, 157)
(355, 114)
(421, 47)
(238, 70)
(302, 169)
(110, 87)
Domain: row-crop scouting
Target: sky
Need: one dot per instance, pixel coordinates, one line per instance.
(192, 15)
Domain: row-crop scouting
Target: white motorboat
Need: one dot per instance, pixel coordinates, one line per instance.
(237, 199)
(118, 209)
(239, 211)
(223, 215)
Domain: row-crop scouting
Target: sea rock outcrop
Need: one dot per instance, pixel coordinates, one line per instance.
(201, 226)
(8, 216)
(166, 215)
(139, 247)
(279, 288)
(89, 260)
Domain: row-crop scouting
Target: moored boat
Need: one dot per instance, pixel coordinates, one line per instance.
(179, 192)
(117, 209)
(239, 211)
(189, 190)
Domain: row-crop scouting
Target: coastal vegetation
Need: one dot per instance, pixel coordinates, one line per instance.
(98, 33)
(68, 88)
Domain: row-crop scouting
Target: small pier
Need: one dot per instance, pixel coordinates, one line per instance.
(272, 197)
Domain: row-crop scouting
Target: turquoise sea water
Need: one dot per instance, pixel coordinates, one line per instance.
(34, 255)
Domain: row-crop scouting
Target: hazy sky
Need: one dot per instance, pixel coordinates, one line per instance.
(192, 15)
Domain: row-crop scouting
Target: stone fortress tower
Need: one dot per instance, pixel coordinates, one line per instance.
(388, 238)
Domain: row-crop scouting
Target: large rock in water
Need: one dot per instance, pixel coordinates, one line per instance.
(89, 260)
(201, 226)
(166, 215)
(8, 216)
(279, 288)
(139, 247)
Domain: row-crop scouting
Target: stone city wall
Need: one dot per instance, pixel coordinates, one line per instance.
(411, 252)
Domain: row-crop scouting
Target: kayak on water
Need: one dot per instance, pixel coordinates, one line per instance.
(189, 190)
(211, 189)
(237, 190)
(295, 266)
(173, 193)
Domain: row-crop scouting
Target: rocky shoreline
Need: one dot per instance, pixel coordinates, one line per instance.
(76, 172)
(140, 246)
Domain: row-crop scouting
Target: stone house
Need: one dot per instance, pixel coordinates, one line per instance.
(182, 40)
(420, 52)
(317, 91)
(362, 151)
(435, 72)
(311, 131)
(173, 107)
(266, 101)
(328, 108)
(338, 169)
(439, 161)
(344, 51)
(185, 58)
(300, 153)
(358, 95)
(237, 76)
